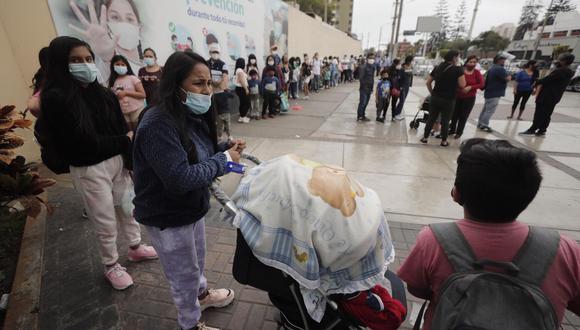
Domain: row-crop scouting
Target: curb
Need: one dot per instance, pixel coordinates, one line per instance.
(24, 301)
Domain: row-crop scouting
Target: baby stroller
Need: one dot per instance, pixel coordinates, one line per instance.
(422, 115)
(282, 289)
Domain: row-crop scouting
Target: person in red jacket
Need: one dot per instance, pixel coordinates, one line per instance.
(466, 97)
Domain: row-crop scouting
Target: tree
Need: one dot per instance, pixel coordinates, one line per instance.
(559, 6)
(441, 10)
(460, 44)
(528, 18)
(490, 41)
(460, 22)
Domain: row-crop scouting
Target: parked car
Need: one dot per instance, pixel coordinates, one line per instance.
(575, 81)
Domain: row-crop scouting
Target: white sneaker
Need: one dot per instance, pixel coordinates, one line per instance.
(246, 120)
(202, 326)
(217, 298)
(306, 98)
(399, 117)
(241, 120)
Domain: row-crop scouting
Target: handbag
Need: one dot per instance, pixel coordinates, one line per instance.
(395, 92)
(284, 105)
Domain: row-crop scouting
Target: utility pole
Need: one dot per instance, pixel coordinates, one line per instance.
(325, 11)
(399, 17)
(391, 43)
(380, 37)
(537, 44)
(473, 19)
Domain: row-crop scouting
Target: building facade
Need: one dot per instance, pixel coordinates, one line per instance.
(343, 15)
(505, 30)
(564, 32)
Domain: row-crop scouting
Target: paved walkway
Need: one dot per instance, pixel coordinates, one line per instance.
(413, 182)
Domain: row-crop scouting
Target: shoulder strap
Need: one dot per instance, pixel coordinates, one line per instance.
(537, 254)
(456, 248)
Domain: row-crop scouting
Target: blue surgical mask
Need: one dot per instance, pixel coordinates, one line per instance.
(197, 103)
(149, 61)
(120, 69)
(85, 73)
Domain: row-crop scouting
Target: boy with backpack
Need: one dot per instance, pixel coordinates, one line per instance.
(382, 96)
(490, 271)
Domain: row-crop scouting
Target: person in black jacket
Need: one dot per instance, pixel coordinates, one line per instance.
(549, 91)
(176, 158)
(367, 82)
(89, 133)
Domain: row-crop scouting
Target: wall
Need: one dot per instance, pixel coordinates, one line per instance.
(307, 35)
(23, 31)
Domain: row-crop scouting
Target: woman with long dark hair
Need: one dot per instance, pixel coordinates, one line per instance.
(242, 90)
(176, 158)
(89, 133)
(128, 88)
(252, 64)
(150, 76)
(524, 84)
(395, 72)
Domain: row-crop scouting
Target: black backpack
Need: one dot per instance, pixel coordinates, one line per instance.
(474, 298)
(48, 150)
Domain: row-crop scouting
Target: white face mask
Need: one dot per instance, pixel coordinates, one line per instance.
(252, 61)
(128, 34)
(399, 67)
(215, 56)
(270, 62)
(371, 61)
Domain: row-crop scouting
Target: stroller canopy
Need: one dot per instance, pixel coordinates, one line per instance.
(316, 224)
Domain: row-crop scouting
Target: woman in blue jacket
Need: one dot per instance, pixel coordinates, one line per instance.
(176, 158)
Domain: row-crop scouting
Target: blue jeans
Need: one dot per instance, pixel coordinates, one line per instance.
(365, 96)
(316, 82)
(181, 252)
(402, 97)
(488, 110)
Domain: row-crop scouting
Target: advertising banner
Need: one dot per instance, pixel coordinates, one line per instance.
(128, 27)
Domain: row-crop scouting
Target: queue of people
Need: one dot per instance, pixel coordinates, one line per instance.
(160, 141)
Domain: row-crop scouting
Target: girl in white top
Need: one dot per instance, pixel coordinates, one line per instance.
(242, 91)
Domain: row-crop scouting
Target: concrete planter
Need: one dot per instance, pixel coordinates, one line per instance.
(24, 300)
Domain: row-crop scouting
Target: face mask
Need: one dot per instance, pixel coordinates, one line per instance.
(128, 34)
(215, 56)
(399, 67)
(120, 70)
(371, 61)
(252, 61)
(270, 62)
(149, 61)
(470, 66)
(197, 103)
(85, 73)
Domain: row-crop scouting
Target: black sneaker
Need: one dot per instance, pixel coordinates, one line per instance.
(541, 133)
(380, 120)
(364, 119)
(527, 132)
(486, 129)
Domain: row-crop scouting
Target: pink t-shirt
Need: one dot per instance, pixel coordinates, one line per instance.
(127, 83)
(427, 266)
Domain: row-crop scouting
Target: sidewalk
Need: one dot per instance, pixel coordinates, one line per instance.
(75, 295)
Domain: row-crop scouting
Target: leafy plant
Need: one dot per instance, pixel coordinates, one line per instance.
(20, 183)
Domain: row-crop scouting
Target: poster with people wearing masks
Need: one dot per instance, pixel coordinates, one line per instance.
(128, 27)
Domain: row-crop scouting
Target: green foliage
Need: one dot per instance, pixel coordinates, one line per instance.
(489, 41)
(457, 44)
(559, 6)
(558, 50)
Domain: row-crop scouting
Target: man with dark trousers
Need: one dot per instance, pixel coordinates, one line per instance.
(366, 76)
(549, 91)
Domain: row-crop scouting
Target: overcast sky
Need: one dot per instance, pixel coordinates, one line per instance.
(370, 15)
